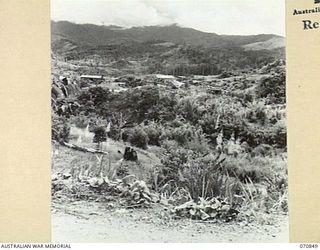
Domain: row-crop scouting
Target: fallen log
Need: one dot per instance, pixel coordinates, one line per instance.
(83, 149)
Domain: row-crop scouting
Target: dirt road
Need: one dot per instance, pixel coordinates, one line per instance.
(95, 222)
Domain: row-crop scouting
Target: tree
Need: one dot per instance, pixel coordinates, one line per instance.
(100, 136)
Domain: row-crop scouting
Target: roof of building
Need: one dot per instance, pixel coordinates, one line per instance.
(92, 76)
(160, 76)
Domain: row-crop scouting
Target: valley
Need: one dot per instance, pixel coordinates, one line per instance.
(169, 130)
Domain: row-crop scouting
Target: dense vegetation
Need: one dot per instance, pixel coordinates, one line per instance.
(150, 57)
(227, 145)
(214, 136)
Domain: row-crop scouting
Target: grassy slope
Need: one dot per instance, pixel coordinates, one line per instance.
(66, 160)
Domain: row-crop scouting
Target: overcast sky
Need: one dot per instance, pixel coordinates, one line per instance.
(220, 16)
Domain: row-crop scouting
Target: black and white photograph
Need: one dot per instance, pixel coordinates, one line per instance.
(168, 121)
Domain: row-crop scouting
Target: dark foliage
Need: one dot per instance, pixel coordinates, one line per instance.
(100, 135)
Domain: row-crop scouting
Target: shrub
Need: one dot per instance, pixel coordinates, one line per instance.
(274, 88)
(138, 137)
(60, 129)
(154, 133)
(275, 135)
(225, 74)
(199, 143)
(80, 121)
(248, 169)
(182, 134)
(100, 135)
(242, 179)
(125, 136)
(188, 108)
(185, 169)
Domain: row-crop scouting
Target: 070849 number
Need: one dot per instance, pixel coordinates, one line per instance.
(308, 245)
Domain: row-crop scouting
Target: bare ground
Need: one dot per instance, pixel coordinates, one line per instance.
(83, 221)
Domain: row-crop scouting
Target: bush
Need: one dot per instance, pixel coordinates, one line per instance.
(100, 135)
(199, 143)
(115, 133)
(154, 133)
(182, 135)
(60, 129)
(243, 180)
(273, 88)
(138, 137)
(80, 121)
(275, 135)
(185, 169)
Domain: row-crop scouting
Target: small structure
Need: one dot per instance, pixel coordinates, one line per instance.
(92, 77)
(87, 80)
(161, 76)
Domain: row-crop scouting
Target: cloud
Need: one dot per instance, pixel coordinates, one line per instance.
(219, 16)
(123, 13)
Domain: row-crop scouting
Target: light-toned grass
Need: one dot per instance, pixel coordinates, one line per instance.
(66, 160)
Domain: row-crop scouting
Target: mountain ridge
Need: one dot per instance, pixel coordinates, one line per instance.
(160, 49)
(96, 35)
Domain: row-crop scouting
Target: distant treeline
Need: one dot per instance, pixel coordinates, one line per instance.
(175, 59)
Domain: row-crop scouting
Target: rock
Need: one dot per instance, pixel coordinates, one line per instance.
(96, 182)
